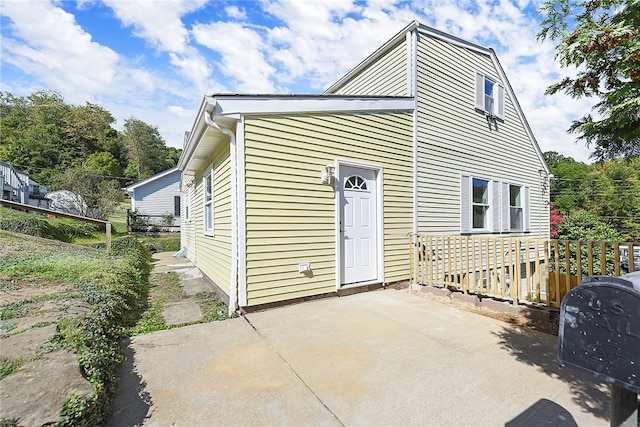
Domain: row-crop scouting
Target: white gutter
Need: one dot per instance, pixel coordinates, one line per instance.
(233, 279)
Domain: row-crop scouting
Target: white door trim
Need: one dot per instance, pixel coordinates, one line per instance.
(379, 177)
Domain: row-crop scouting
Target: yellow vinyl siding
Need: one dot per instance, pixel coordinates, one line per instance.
(213, 255)
(290, 214)
(454, 138)
(387, 76)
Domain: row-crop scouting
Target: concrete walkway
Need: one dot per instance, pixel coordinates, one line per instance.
(192, 282)
(383, 358)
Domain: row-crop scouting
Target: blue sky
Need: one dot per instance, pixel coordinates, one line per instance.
(155, 59)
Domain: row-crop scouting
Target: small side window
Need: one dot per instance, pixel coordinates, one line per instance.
(207, 188)
(176, 205)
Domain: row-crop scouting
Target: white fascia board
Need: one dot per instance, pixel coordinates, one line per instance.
(150, 179)
(519, 111)
(373, 57)
(197, 131)
(414, 26)
(236, 105)
(449, 38)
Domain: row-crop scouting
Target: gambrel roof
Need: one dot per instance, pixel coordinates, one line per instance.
(426, 30)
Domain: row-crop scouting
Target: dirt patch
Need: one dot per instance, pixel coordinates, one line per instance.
(549, 326)
(19, 288)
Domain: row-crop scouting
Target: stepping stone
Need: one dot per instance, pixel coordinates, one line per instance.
(35, 393)
(194, 286)
(26, 343)
(176, 313)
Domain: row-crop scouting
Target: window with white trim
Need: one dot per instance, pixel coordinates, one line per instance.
(176, 206)
(207, 188)
(476, 203)
(516, 214)
(480, 202)
(493, 206)
(489, 95)
(187, 205)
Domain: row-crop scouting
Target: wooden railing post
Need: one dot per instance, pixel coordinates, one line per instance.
(108, 235)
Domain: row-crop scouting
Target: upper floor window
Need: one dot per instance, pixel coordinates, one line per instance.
(489, 95)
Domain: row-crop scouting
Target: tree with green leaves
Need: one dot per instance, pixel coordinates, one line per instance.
(146, 150)
(585, 227)
(609, 190)
(88, 129)
(616, 199)
(101, 194)
(75, 148)
(33, 131)
(571, 183)
(602, 39)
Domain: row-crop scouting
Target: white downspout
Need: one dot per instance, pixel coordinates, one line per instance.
(233, 282)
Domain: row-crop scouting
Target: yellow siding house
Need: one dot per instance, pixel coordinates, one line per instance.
(293, 196)
(296, 196)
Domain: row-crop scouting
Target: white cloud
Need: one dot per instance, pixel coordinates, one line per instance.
(49, 50)
(235, 12)
(158, 22)
(319, 41)
(195, 67)
(242, 55)
(47, 43)
(311, 44)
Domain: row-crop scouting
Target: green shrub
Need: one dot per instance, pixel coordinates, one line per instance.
(154, 243)
(40, 226)
(77, 229)
(8, 365)
(32, 225)
(585, 227)
(161, 243)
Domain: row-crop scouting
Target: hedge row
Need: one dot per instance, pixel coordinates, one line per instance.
(116, 297)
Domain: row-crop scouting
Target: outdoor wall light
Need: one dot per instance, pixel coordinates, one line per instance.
(327, 174)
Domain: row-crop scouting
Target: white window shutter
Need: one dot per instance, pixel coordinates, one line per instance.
(465, 204)
(526, 210)
(505, 208)
(479, 91)
(499, 101)
(495, 206)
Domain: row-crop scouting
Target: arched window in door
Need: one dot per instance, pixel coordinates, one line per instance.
(356, 183)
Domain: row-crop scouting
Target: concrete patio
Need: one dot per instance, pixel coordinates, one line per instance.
(382, 358)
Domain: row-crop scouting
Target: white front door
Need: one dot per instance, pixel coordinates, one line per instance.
(358, 225)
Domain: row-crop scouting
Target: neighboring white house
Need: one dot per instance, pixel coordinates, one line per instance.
(157, 196)
(18, 187)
